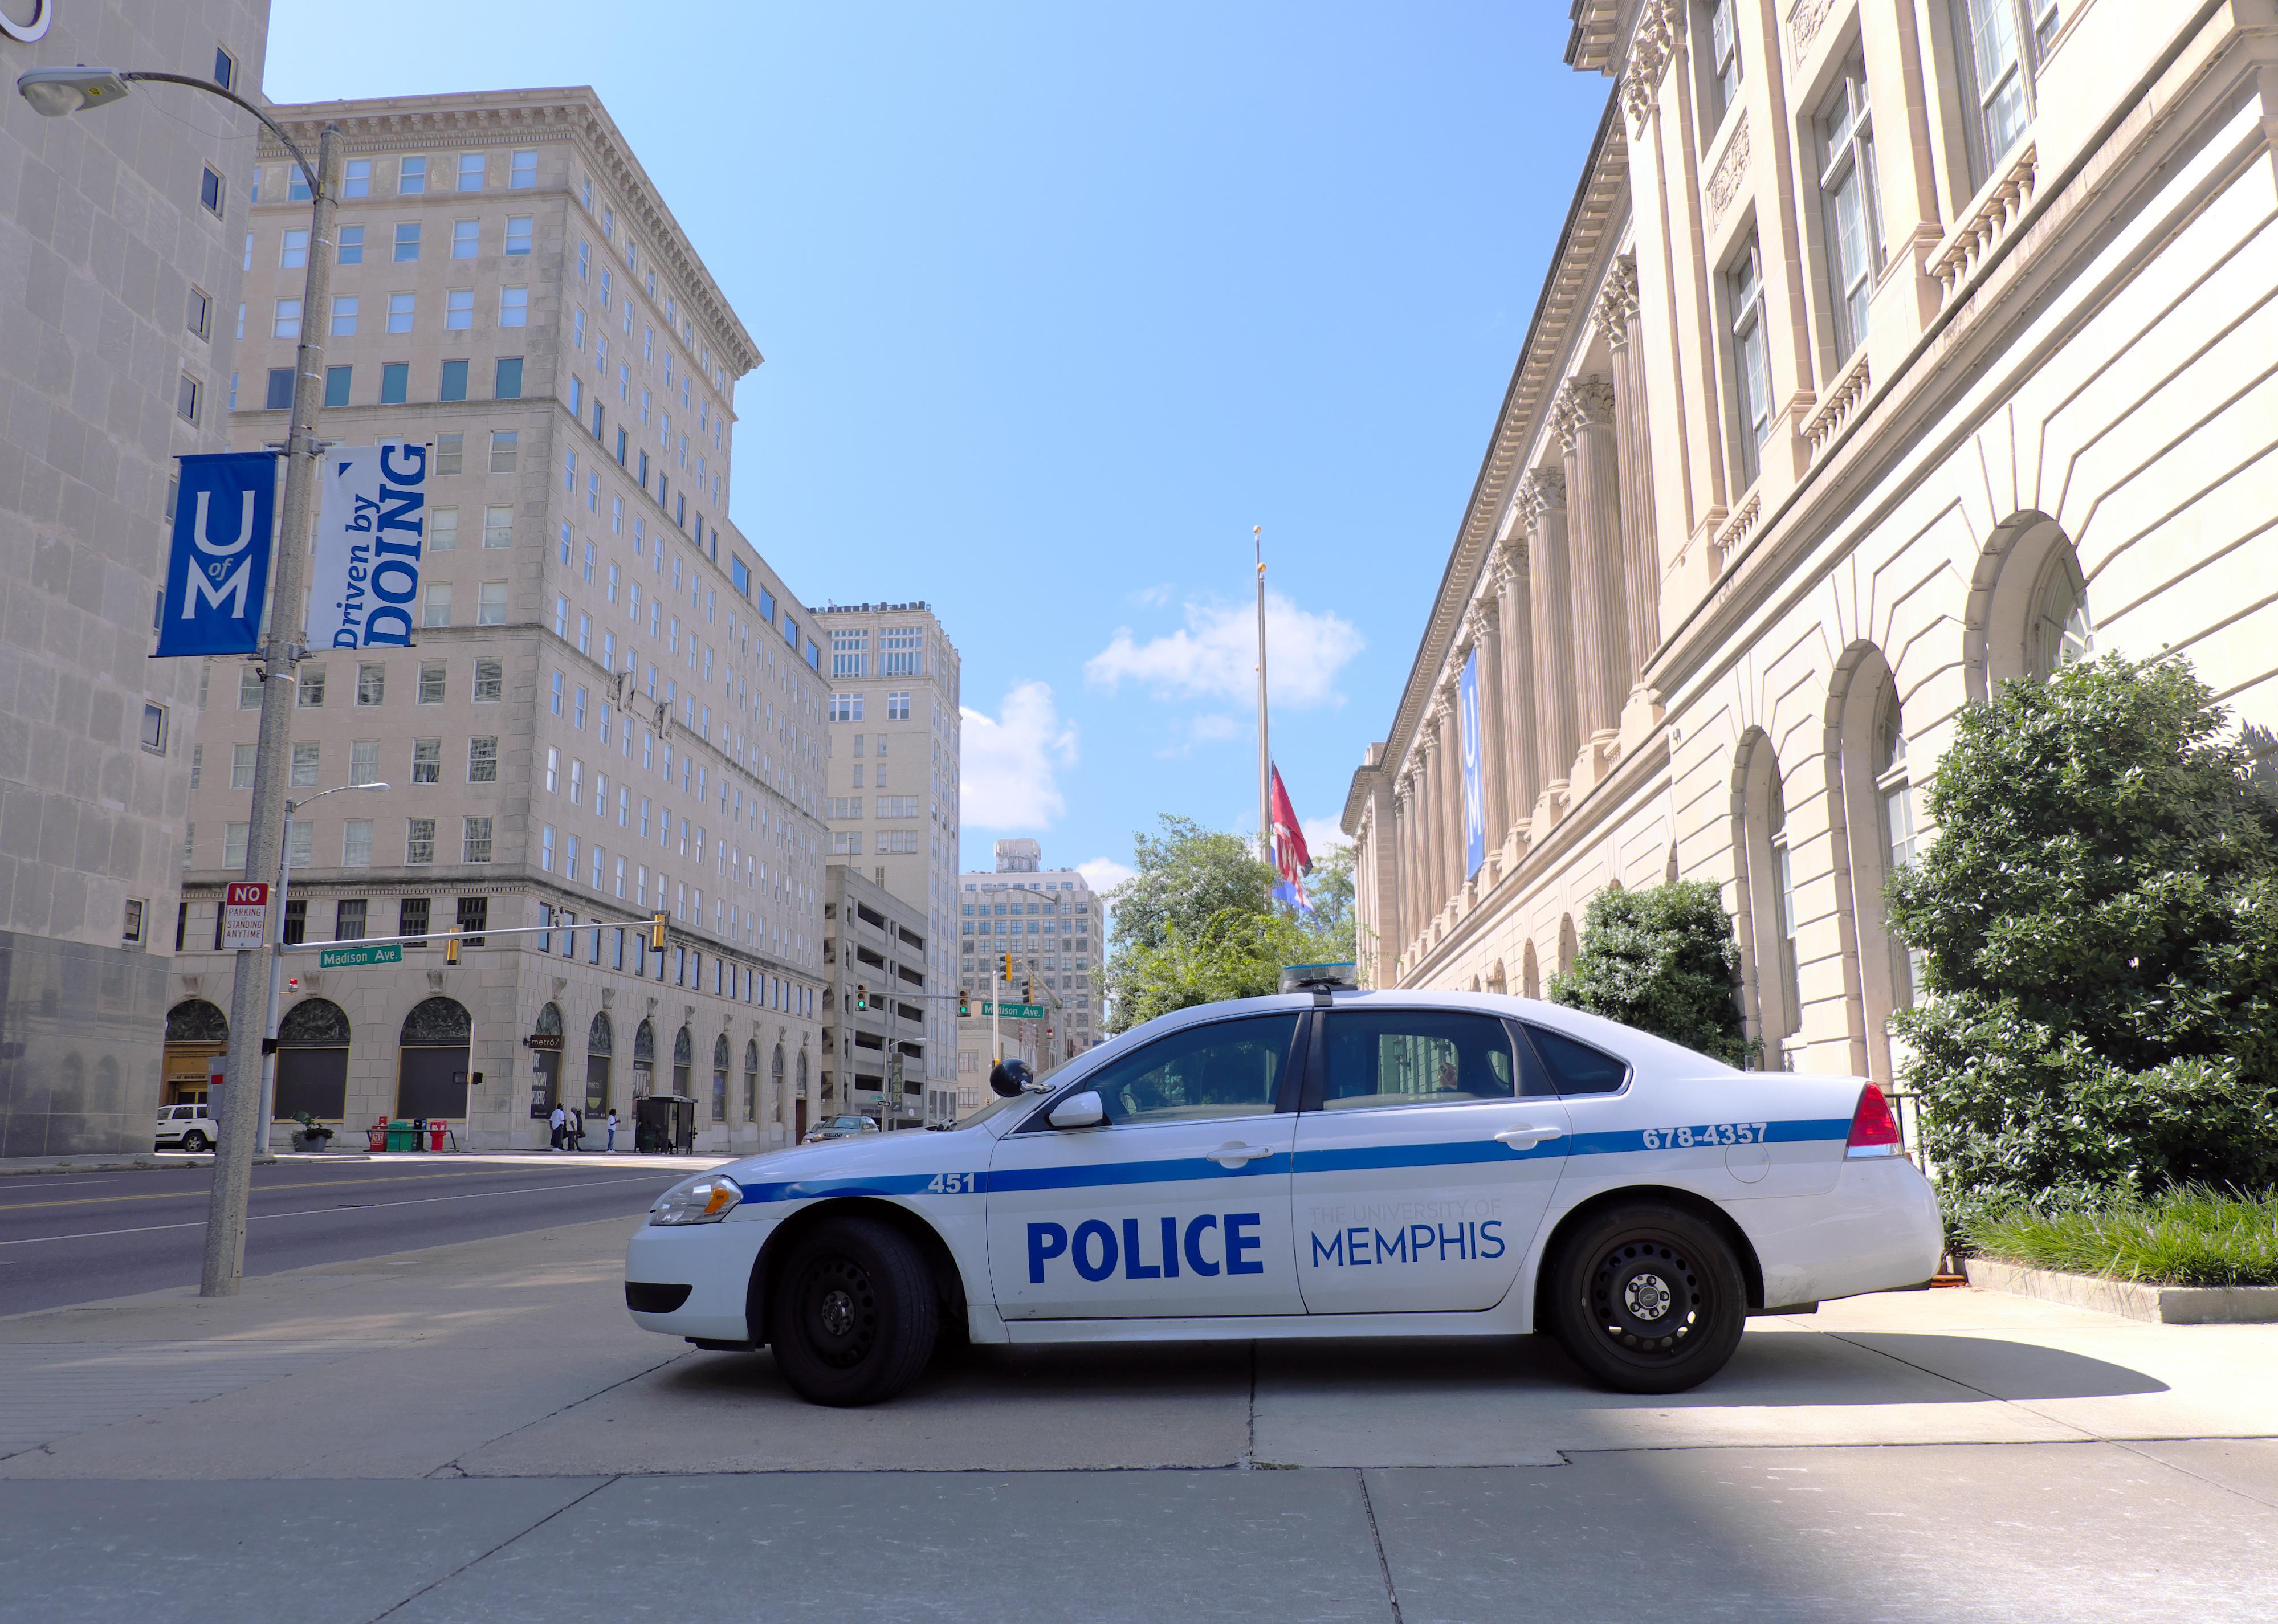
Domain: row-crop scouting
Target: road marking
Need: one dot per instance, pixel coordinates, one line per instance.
(304, 1212)
(333, 1182)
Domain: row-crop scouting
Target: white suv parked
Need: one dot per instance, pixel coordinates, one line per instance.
(186, 1127)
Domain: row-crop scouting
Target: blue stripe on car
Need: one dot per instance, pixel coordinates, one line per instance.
(1183, 1169)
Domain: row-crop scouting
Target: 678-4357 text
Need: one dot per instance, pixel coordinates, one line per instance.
(1707, 1134)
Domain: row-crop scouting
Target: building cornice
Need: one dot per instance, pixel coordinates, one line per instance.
(410, 124)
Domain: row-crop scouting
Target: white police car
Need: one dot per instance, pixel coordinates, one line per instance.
(1310, 1164)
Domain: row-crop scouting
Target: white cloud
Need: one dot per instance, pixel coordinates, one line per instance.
(1322, 836)
(1154, 597)
(1216, 728)
(1011, 761)
(1104, 874)
(1214, 655)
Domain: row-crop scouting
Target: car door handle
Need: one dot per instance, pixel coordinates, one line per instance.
(1231, 1154)
(1526, 1133)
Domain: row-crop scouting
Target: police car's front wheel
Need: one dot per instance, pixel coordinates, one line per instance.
(1647, 1298)
(854, 1315)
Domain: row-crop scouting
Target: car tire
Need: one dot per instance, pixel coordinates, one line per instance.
(1647, 1298)
(853, 1316)
(194, 1142)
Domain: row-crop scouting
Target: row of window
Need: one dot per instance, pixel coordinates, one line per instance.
(402, 312)
(900, 652)
(419, 842)
(848, 708)
(432, 687)
(363, 762)
(412, 176)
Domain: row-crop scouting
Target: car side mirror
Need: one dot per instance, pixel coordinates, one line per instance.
(1080, 1110)
(1010, 1078)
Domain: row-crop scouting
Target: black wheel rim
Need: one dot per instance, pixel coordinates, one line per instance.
(838, 1311)
(1648, 1299)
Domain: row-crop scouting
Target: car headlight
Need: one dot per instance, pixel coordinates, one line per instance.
(700, 1201)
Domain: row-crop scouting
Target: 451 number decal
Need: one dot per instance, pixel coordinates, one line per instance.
(954, 1184)
(1709, 1133)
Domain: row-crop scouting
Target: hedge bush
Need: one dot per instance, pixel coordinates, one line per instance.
(1662, 960)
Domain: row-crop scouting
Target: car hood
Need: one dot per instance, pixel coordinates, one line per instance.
(864, 1154)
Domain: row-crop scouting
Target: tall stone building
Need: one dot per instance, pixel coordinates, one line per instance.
(1054, 926)
(611, 706)
(894, 777)
(1891, 350)
(122, 229)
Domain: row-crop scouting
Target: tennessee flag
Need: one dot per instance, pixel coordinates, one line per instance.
(1291, 861)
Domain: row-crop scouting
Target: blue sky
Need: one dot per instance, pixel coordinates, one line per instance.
(1057, 302)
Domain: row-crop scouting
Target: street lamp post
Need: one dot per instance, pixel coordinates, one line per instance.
(277, 959)
(56, 92)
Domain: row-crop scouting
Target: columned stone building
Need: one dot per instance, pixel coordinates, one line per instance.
(1891, 350)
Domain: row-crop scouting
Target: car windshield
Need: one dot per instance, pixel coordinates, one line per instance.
(849, 1121)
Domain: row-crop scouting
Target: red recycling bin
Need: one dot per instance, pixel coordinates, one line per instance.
(435, 1132)
(377, 1134)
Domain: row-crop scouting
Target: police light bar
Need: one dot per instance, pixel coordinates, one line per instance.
(1339, 978)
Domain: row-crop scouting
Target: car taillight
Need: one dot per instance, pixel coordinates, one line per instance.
(1873, 1126)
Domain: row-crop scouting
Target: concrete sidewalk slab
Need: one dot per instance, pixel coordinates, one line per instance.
(2088, 1533)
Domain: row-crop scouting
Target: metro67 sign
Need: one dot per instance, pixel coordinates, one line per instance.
(244, 916)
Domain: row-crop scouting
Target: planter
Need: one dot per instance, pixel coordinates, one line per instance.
(2166, 1305)
(311, 1141)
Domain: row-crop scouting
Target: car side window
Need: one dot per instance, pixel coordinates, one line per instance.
(1575, 1067)
(1224, 1069)
(1384, 1057)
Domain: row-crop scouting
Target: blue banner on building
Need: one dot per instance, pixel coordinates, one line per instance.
(218, 572)
(1475, 821)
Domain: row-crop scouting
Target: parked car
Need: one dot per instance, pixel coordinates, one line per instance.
(840, 1127)
(186, 1127)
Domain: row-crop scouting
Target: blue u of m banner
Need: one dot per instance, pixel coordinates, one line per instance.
(217, 570)
(1475, 823)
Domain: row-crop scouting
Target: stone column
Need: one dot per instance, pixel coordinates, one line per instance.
(1522, 781)
(1619, 320)
(1544, 492)
(1412, 856)
(1486, 628)
(1584, 416)
(1428, 895)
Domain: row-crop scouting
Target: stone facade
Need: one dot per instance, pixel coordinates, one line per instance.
(611, 708)
(1867, 376)
(881, 1005)
(121, 230)
(894, 770)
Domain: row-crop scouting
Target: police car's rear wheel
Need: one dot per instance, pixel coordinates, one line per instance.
(1647, 1298)
(854, 1317)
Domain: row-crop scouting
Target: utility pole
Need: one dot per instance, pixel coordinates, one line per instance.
(241, 1127)
(1264, 753)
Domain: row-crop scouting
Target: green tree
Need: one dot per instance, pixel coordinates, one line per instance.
(2100, 918)
(1662, 960)
(1197, 923)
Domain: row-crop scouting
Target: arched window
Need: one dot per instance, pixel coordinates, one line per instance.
(1894, 802)
(1768, 893)
(2061, 632)
(601, 1035)
(431, 1067)
(193, 1020)
(684, 1062)
(2028, 613)
(600, 1038)
(776, 1077)
(312, 1061)
(1783, 906)
(644, 1058)
(752, 1080)
(315, 1022)
(1568, 948)
(441, 1021)
(549, 1021)
(720, 1078)
(1530, 978)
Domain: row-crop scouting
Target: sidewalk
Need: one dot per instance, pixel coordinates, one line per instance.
(150, 1161)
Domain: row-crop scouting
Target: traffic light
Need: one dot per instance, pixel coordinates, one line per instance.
(656, 932)
(1029, 990)
(451, 947)
(862, 997)
(963, 1005)
(1008, 970)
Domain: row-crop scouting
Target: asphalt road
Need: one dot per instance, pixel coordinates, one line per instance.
(71, 1238)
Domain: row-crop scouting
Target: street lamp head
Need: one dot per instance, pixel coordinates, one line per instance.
(371, 786)
(54, 92)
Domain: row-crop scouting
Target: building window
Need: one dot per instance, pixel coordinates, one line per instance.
(241, 765)
(458, 316)
(509, 382)
(1724, 62)
(477, 846)
(504, 449)
(846, 707)
(522, 173)
(517, 234)
(426, 760)
(357, 182)
(418, 845)
(407, 242)
(1895, 793)
(306, 759)
(345, 310)
(400, 308)
(356, 844)
(232, 853)
(490, 680)
(470, 171)
(224, 69)
(2000, 43)
(210, 192)
(350, 251)
(187, 399)
(279, 397)
(293, 249)
(849, 653)
(154, 729)
(395, 389)
(433, 676)
(296, 916)
(514, 306)
(1752, 387)
(482, 760)
(466, 239)
(898, 707)
(411, 177)
(490, 605)
(498, 526)
(411, 916)
(899, 652)
(451, 384)
(443, 531)
(363, 761)
(286, 323)
(438, 611)
(351, 912)
(311, 696)
(200, 318)
(337, 380)
(2062, 634)
(1853, 207)
(1784, 911)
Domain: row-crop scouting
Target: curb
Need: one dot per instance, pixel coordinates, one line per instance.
(157, 1162)
(2162, 1305)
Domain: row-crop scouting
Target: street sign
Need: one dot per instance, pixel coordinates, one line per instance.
(348, 959)
(245, 917)
(1015, 1011)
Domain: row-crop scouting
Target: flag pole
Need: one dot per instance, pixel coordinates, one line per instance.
(1264, 754)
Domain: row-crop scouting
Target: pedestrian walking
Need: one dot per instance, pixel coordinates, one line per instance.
(613, 1128)
(577, 1130)
(560, 1124)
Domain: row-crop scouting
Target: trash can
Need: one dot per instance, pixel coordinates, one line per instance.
(435, 1132)
(376, 1135)
(401, 1136)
